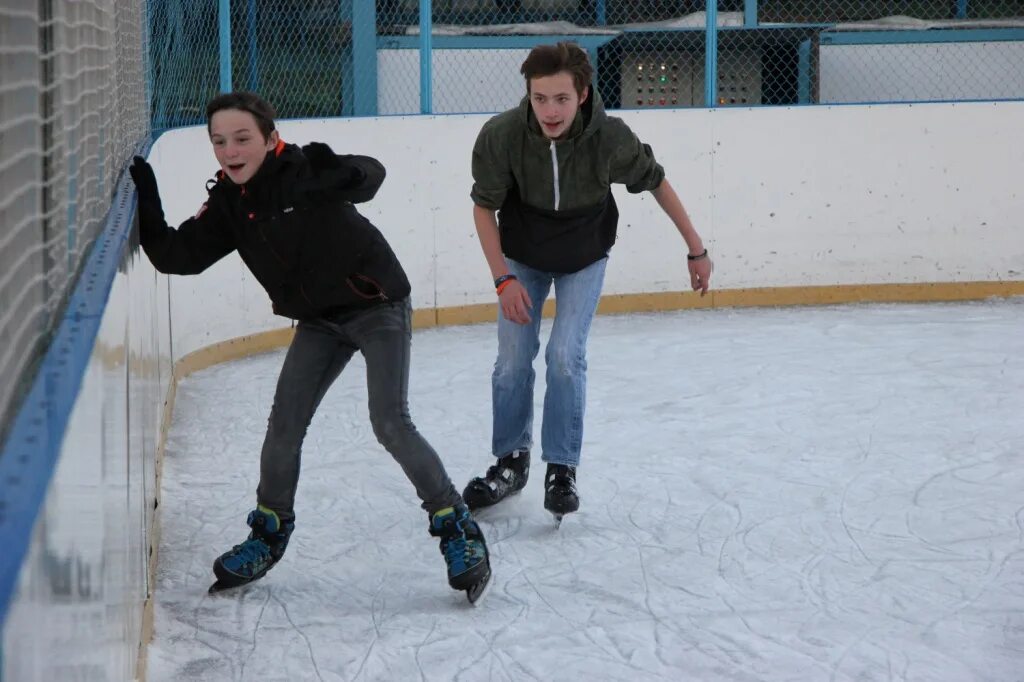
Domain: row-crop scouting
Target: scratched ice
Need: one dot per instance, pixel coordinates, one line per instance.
(831, 493)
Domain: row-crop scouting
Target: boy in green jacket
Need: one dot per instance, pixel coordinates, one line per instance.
(546, 167)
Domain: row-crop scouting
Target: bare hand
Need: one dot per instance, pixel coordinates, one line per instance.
(515, 302)
(700, 274)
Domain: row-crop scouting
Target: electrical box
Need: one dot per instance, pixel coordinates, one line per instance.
(739, 78)
(667, 79)
(659, 80)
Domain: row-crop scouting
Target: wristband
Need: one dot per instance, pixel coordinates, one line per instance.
(504, 278)
(503, 285)
(698, 256)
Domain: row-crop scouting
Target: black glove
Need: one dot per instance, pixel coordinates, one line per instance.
(145, 181)
(331, 174)
(151, 212)
(321, 156)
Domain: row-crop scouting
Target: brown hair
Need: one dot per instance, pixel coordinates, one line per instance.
(547, 60)
(250, 102)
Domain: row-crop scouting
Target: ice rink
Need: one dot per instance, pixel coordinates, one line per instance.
(824, 493)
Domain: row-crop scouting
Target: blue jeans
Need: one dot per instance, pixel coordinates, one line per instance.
(577, 295)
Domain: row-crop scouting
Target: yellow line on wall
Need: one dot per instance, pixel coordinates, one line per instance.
(244, 346)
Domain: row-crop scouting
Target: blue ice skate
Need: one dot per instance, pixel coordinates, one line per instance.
(464, 550)
(252, 559)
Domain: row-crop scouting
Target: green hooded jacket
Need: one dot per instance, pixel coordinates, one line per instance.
(571, 173)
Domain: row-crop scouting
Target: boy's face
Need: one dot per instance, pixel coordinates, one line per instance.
(555, 102)
(238, 143)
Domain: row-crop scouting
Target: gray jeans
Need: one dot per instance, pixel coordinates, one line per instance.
(317, 355)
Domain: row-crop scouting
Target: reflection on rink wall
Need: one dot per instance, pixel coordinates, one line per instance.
(78, 610)
(804, 205)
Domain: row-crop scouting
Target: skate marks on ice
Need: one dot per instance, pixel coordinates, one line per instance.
(827, 493)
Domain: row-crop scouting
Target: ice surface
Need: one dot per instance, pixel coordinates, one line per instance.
(829, 493)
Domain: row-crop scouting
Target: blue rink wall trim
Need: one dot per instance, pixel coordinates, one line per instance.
(29, 457)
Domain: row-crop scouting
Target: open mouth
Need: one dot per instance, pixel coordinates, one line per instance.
(235, 167)
(552, 127)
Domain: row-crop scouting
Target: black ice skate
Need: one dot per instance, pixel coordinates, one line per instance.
(560, 497)
(506, 477)
(250, 561)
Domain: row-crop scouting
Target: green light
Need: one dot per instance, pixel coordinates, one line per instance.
(663, 78)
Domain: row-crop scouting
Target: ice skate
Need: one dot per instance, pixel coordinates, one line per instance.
(506, 477)
(251, 560)
(560, 496)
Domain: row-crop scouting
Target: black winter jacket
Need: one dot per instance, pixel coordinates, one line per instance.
(295, 227)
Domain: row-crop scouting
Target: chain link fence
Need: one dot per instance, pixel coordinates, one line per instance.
(72, 109)
(293, 52)
(346, 57)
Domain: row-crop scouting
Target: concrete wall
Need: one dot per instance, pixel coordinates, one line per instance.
(796, 205)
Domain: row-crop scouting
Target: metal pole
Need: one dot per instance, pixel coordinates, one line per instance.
(711, 55)
(364, 57)
(254, 54)
(224, 9)
(750, 13)
(426, 76)
(803, 73)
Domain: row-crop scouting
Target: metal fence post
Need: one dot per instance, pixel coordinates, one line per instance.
(426, 76)
(224, 16)
(254, 50)
(711, 54)
(750, 13)
(364, 58)
(803, 72)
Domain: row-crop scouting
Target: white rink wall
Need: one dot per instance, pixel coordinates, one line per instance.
(783, 197)
(786, 197)
(78, 609)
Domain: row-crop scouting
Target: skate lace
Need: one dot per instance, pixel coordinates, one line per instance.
(252, 551)
(455, 549)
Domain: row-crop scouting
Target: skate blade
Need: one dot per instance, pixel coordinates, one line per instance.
(558, 516)
(221, 586)
(475, 593)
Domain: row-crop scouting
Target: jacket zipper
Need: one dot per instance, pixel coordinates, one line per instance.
(554, 170)
(273, 251)
(372, 282)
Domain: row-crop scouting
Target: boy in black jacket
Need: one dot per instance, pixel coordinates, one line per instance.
(289, 213)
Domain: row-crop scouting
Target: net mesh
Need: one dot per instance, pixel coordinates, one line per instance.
(72, 109)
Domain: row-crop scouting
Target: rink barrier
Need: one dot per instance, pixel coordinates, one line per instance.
(29, 456)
